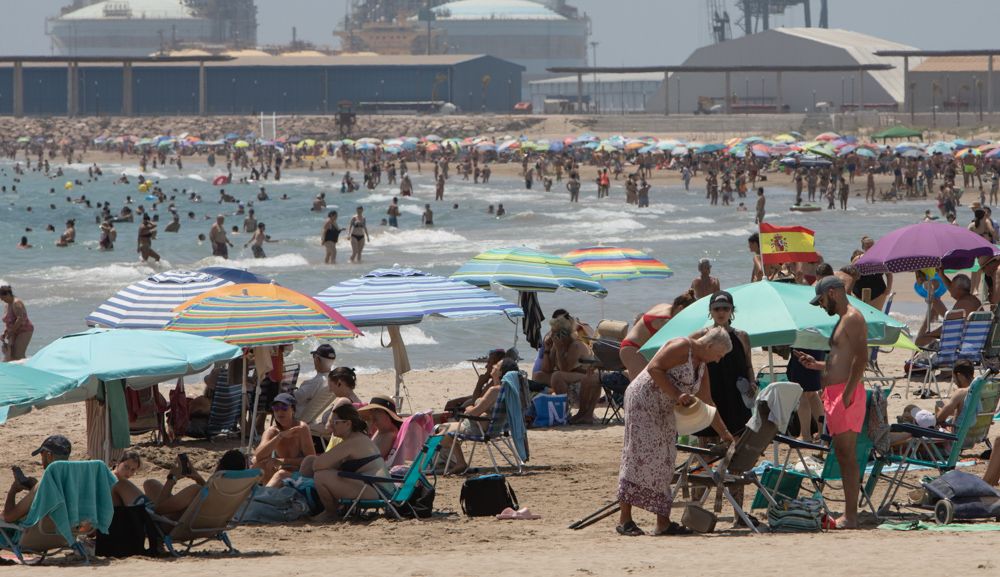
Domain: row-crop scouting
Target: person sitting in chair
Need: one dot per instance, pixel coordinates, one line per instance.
(172, 505)
(482, 408)
(960, 289)
(124, 492)
(383, 422)
(54, 448)
(568, 357)
(284, 445)
(492, 358)
(945, 415)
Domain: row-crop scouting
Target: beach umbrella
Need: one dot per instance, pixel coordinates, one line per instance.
(526, 269)
(913, 153)
(827, 137)
(149, 303)
(613, 263)
(777, 314)
(865, 152)
(995, 153)
(241, 144)
(234, 275)
(22, 387)
(785, 137)
(924, 245)
(710, 148)
(402, 296)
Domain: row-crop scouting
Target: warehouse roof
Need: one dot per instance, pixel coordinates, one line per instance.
(132, 9)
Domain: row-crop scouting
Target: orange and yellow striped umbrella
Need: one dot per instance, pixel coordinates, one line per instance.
(613, 263)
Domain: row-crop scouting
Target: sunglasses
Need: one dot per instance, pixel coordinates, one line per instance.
(723, 308)
(280, 407)
(336, 421)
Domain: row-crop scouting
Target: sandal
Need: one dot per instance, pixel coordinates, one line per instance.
(629, 529)
(674, 529)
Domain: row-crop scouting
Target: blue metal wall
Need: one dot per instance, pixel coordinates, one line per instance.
(173, 90)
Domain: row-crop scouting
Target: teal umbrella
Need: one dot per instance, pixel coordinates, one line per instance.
(22, 387)
(141, 358)
(775, 314)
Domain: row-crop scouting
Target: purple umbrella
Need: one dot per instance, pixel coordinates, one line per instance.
(924, 245)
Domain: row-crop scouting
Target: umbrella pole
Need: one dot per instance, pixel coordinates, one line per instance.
(770, 362)
(107, 425)
(929, 288)
(253, 416)
(243, 400)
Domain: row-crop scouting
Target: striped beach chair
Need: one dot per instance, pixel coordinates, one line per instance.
(944, 357)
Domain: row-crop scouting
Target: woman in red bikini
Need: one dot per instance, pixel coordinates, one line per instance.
(645, 326)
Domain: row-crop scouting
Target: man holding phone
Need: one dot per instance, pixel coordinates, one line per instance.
(54, 448)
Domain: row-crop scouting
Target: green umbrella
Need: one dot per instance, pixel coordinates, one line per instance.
(21, 387)
(777, 314)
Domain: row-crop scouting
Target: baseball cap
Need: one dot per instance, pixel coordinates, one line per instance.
(285, 398)
(721, 298)
(55, 444)
(824, 284)
(923, 418)
(325, 351)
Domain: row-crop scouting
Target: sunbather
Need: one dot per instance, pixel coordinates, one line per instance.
(945, 414)
(482, 408)
(124, 491)
(960, 289)
(284, 445)
(355, 453)
(54, 448)
(494, 357)
(173, 505)
(644, 327)
(567, 356)
(383, 422)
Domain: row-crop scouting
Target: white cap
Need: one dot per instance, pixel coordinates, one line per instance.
(923, 418)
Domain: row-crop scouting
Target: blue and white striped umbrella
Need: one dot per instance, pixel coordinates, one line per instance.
(150, 303)
(404, 296)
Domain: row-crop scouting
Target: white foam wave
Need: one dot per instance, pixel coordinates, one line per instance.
(110, 274)
(374, 336)
(288, 260)
(692, 220)
(696, 235)
(48, 301)
(196, 177)
(416, 239)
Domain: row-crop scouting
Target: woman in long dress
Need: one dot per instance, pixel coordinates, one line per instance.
(676, 375)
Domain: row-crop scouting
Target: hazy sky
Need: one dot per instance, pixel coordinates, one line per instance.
(631, 32)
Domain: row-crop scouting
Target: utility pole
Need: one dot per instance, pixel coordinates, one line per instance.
(594, 90)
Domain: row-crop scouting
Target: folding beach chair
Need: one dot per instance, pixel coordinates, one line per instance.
(977, 330)
(944, 356)
(216, 509)
(612, 377)
(413, 481)
(991, 352)
(315, 408)
(54, 520)
(873, 372)
(764, 375)
(736, 468)
(494, 433)
(940, 450)
(150, 417)
(224, 413)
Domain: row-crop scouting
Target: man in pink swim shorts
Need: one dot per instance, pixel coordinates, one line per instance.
(843, 392)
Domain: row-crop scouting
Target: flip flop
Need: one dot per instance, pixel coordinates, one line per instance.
(673, 529)
(629, 529)
(523, 514)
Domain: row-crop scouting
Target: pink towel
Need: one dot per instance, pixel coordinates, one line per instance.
(411, 438)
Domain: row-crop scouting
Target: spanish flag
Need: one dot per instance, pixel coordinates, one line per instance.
(781, 244)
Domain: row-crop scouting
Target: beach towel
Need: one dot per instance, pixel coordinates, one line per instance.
(956, 527)
(180, 410)
(782, 399)
(515, 418)
(533, 317)
(115, 402)
(72, 492)
(411, 438)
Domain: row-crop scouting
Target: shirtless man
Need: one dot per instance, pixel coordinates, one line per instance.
(843, 392)
(960, 289)
(760, 205)
(705, 284)
(753, 244)
(217, 235)
(285, 444)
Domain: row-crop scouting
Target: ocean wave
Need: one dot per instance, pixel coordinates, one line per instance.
(415, 239)
(114, 273)
(374, 337)
(288, 260)
(696, 235)
(196, 177)
(692, 220)
(47, 301)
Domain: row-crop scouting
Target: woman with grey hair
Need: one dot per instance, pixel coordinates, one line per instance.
(675, 376)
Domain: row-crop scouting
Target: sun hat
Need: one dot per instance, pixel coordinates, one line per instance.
(382, 403)
(694, 417)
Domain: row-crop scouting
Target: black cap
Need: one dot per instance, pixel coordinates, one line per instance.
(721, 298)
(824, 284)
(285, 398)
(55, 444)
(325, 351)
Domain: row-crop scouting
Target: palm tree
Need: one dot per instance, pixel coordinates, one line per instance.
(935, 88)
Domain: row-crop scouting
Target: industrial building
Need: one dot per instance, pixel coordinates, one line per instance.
(798, 91)
(950, 82)
(600, 93)
(143, 27)
(44, 86)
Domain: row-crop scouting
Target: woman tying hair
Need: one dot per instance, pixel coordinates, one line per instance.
(356, 453)
(645, 327)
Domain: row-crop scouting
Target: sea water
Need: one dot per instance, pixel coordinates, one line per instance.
(60, 286)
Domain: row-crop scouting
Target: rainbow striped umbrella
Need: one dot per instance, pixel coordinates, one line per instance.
(613, 263)
(526, 270)
(252, 321)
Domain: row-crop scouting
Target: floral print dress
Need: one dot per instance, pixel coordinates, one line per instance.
(649, 449)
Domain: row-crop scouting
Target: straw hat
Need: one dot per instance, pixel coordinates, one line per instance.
(694, 417)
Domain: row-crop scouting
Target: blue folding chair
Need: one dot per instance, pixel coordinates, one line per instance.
(405, 488)
(944, 356)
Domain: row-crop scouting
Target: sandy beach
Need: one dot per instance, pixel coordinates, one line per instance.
(572, 472)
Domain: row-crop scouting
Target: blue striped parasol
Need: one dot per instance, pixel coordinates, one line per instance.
(527, 270)
(403, 296)
(149, 303)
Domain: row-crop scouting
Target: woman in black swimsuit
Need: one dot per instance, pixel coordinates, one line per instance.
(330, 236)
(359, 234)
(355, 453)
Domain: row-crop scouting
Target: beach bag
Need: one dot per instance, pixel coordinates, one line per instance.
(550, 410)
(276, 505)
(420, 505)
(487, 495)
(796, 516)
(131, 526)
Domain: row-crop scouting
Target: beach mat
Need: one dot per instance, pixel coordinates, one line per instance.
(954, 527)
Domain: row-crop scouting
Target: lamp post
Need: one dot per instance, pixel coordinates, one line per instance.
(234, 96)
(843, 98)
(97, 99)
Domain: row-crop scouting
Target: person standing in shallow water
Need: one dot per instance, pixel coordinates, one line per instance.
(329, 237)
(358, 229)
(17, 329)
(147, 231)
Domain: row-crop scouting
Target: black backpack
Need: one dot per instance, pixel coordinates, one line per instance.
(487, 495)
